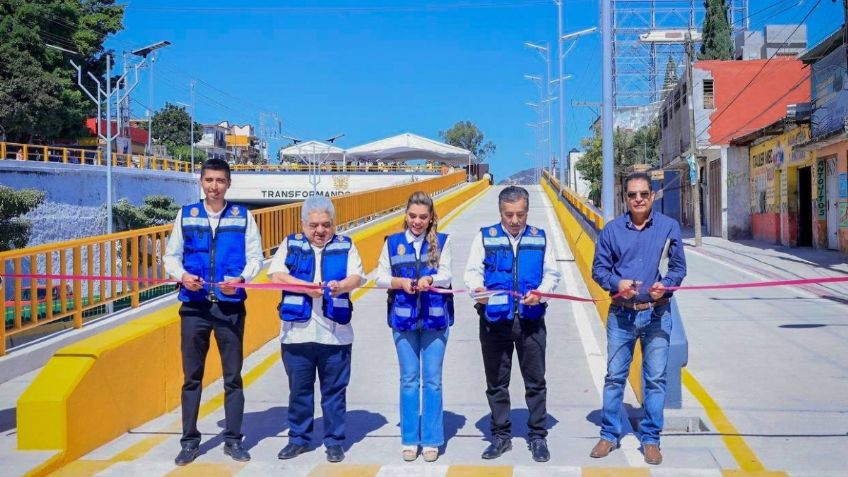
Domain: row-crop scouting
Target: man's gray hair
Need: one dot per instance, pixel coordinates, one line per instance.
(513, 194)
(317, 203)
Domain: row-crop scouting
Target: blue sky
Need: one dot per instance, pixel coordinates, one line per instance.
(375, 68)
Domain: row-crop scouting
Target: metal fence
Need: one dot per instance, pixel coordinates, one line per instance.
(11, 151)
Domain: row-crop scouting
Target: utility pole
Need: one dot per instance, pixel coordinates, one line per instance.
(191, 137)
(608, 169)
(688, 37)
(563, 161)
(694, 162)
(108, 137)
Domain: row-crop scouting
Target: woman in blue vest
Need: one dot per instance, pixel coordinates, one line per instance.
(316, 335)
(412, 263)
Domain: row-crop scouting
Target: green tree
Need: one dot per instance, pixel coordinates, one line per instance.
(629, 148)
(39, 97)
(467, 135)
(14, 231)
(183, 153)
(156, 210)
(717, 41)
(172, 127)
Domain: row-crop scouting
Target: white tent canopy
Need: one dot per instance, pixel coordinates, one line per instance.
(409, 146)
(314, 151)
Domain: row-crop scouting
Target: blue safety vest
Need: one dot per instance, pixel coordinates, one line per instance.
(428, 310)
(217, 257)
(300, 260)
(505, 270)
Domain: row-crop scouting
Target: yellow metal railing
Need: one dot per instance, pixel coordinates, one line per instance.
(350, 167)
(69, 155)
(137, 255)
(579, 203)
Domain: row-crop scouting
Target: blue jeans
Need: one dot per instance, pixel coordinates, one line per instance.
(421, 352)
(652, 328)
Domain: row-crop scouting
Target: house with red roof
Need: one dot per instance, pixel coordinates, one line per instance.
(133, 140)
(730, 99)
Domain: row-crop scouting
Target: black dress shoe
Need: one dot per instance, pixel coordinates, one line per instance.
(291, 451)
(187, 454)
(539, 449)
(498, 446)
(237, 452)
(335, 453)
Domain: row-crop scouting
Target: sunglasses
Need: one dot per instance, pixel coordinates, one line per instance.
(643, 194)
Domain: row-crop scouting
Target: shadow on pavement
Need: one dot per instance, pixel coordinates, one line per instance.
(453, 423)
(8, 419)
(358, 424)
(518, 418)
(256, 426)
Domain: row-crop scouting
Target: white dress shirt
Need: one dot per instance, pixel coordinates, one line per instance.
(173, 258)
(442, 277)
(474, 270)
(318, 329)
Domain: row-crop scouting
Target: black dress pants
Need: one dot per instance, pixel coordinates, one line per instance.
(198, 321)
(528, 338)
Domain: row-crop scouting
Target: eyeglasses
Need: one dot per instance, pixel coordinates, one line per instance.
(643, 194)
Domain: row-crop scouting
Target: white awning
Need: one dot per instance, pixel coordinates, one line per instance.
(407, 146)
(314, 151)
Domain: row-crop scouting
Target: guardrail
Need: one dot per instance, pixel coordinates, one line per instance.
(11, 151)
(346, 168)
(582, 223)
(137, 255)
(69, 155)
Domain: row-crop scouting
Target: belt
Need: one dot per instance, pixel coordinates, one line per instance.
(641, 306)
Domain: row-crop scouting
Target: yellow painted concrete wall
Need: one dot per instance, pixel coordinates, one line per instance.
(583, 248)
(98, 389)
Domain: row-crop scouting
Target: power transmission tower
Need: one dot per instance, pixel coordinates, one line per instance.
(638, 68)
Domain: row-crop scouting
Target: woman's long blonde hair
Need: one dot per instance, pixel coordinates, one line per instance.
(421, 198)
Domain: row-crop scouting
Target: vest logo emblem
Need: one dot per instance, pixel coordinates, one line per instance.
(236, 211)
(401, 249)
(534, 231)
(492, 232)
(194, 212)
(298, 236)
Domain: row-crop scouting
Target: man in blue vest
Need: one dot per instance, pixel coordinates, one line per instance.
(316, 335)
(517, 259)
(628, 263)
(213, 243)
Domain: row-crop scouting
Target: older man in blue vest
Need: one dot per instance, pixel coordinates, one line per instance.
(316, 335)
(516, 259)
(213, 243)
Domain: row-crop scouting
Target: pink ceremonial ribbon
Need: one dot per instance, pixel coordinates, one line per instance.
(484, 294)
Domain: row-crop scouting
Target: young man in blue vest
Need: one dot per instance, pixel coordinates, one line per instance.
(316, 335)
(628, 257)
(517, 259)
(213, 243)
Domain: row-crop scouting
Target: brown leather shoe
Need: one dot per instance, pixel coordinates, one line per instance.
(602, 449)
(652, 453)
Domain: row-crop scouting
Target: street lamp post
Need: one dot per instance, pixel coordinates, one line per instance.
(144, 52)
(563, 133)
(545, 86)
(108, 137)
